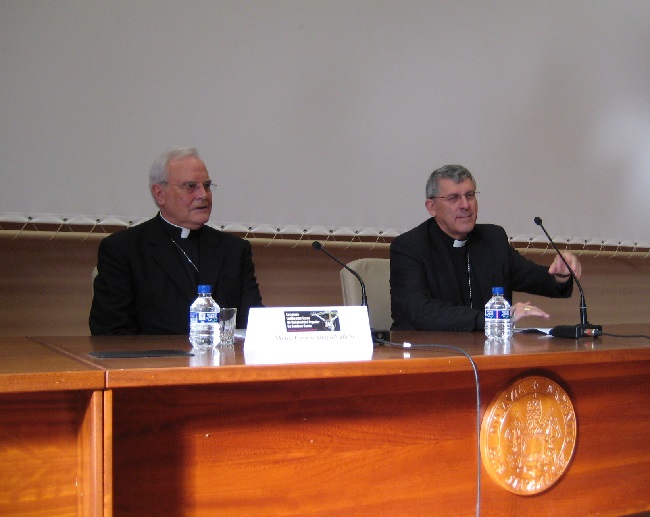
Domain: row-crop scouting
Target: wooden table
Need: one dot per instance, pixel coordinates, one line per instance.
(208, 434)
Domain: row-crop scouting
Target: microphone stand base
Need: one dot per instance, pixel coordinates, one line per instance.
(577, 331)
(380, 335)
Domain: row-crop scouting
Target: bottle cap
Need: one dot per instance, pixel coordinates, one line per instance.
(497, 291)
(205, 289)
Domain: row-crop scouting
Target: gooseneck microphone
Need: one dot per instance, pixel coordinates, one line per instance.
(364, 299)
(584, 328)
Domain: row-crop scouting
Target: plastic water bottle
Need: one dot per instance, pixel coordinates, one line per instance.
(497, 316)
(204, 320)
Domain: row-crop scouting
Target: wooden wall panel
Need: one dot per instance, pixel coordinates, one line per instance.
(45, 285)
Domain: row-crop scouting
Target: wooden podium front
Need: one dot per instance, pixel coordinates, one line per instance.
(396, 435)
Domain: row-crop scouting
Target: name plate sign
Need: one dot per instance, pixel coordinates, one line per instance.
(280, 335)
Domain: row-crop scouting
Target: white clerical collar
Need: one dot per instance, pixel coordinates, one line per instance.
(185, 232)
(459, 244)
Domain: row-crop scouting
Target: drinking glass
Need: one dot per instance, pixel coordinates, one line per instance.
(227, 325)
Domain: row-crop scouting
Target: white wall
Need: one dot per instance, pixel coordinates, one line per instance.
(330, 114)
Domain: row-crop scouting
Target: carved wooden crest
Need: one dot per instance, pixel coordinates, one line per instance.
(528, 435)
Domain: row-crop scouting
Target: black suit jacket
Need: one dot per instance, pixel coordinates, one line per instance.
(142, 285)
(425, 293)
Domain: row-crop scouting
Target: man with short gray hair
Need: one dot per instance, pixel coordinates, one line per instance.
(148, 275)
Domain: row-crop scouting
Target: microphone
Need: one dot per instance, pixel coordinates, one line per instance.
(364, 299)
(584, 328)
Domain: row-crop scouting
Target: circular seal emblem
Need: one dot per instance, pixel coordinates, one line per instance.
(528, 435)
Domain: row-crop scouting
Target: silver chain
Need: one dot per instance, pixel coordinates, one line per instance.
(188, 258)
(469, 279)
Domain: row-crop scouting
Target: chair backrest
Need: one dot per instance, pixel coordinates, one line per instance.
(376, 275)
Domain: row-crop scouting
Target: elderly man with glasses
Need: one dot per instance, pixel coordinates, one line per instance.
(148, 275)
(442, 271)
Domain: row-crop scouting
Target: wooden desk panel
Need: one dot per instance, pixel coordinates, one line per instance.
(356, 445)
(610, 470)
(51, 438)
(400, 445)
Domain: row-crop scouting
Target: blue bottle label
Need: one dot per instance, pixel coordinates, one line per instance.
(497, 314)
(204, 317)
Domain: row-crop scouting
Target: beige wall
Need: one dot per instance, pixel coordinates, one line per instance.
(329, 113)
(45, 286)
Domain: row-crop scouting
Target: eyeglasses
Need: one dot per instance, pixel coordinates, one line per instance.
(191, 187)
(471, 196)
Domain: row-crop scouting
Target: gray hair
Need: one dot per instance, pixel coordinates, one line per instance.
(158, 171)
(456, 173)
